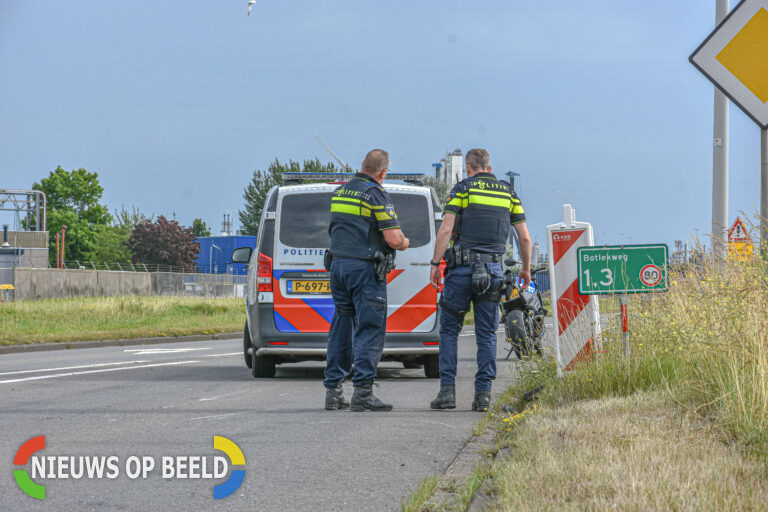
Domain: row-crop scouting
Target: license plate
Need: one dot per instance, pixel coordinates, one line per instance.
(308, 287)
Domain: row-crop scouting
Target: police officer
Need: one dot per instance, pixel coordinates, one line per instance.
(364, 234)
(476, 220)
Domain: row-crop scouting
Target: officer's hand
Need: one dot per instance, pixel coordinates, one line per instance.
(434, 277)
(406, 243)
(525, 275)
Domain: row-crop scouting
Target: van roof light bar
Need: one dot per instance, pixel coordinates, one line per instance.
(300, 177)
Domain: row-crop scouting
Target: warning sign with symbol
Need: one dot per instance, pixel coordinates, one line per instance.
(738, 232)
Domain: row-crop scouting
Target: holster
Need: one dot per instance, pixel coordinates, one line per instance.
(450, 258)
(455, 256)
(491, 295)
(327, 259)
(459, 315)
(382, 265)
(481, 278)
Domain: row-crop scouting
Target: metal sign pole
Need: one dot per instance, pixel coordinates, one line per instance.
(720, 159)
(764, 192)
(624, 324)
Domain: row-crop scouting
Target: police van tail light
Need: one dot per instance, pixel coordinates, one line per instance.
(265, 273)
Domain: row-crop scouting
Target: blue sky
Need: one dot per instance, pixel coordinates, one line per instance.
(174, 104)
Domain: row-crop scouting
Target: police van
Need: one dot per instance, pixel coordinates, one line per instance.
(288, 294)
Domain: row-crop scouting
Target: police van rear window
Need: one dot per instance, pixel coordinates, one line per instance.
(304, 219)
(413, 214)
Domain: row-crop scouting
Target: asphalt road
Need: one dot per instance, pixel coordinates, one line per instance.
(170, 400)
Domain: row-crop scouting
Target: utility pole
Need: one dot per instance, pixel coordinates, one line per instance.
(720, 159)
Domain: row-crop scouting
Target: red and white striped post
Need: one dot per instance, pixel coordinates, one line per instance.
(577, 325)
(624, 324)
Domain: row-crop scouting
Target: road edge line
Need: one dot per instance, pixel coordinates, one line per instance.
(62, 345)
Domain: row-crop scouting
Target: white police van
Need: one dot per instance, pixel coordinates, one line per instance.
(288, 296)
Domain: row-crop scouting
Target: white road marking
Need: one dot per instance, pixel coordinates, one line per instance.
(56, 375)
(211, 417)
(227, 354)
(437, 423)
(150, 351)
(70, 367)
(208, 399)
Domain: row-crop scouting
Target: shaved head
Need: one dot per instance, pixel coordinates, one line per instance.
(375, 161)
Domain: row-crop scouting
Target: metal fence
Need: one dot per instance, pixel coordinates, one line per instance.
(132, 267)
(49, 283)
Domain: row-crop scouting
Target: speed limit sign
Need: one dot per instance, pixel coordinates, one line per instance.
(650, 275)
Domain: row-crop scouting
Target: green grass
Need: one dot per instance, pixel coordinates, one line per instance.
(698, 366)
(82, 319)
(419, 500)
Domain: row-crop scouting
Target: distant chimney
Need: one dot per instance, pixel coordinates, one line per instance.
(5, 236)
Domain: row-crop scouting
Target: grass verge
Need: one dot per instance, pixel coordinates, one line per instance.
(85, 319)
(682, 424)
(640, 452)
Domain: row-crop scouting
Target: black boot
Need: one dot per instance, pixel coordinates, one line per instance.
(363, 399)
(446, 398)
(334, 399)
(482, 401)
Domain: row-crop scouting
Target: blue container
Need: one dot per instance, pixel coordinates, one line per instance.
(216, 254)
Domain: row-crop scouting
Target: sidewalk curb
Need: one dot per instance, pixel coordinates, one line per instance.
(45, 347)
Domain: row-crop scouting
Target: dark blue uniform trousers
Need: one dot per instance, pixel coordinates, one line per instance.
(457, 295)
(359, 322)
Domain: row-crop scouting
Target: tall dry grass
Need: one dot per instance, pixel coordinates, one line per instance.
(704, 343)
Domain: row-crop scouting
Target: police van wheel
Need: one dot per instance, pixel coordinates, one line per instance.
(247, 346)
(432, 367)
(263, 367)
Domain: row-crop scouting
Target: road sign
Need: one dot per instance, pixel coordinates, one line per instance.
(735, 58)
(738, 232)
(613, 269)
(740, 251)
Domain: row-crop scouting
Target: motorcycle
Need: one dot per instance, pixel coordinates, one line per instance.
(523, 314)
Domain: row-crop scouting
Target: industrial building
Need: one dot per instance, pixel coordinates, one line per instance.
(451, 168)
(215, 255)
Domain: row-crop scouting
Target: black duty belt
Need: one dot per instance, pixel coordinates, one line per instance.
(484, 257)
(457, 256)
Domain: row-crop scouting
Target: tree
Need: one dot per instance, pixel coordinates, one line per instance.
(164, 242)
(73, 200)
(111, 244)
(255, 193)
(125, 219)
(440, 187)
(200, 228)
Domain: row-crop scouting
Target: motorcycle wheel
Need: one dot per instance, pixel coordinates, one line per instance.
(517, 336)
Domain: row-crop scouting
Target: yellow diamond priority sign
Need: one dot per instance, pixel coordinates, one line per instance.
(735, 58)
